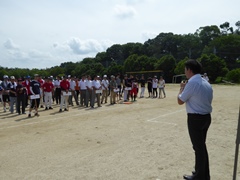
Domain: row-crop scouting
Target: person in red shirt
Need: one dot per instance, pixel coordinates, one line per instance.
(47, 91)
(65, 86)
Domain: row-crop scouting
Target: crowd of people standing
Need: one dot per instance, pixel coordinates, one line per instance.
(87, 91)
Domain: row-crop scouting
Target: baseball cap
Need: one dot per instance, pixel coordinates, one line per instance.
(5, 77)
(12, 77)
(105, 76)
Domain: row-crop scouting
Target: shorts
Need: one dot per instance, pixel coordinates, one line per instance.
(5, 98)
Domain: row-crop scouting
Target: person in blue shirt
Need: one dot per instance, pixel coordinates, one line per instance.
(197, 94)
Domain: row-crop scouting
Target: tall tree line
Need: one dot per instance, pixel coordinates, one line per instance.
(217, 47)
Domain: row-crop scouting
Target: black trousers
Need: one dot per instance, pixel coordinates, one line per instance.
(198, 126)
(21, 103)
(58, 95)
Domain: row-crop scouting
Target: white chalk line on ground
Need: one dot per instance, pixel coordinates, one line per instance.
(58, 118)
(164, 115)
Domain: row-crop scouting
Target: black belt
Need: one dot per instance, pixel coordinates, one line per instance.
(197, 115)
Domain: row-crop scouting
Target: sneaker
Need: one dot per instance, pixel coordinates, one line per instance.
(50, 108)
(46, 108)
(65, 109)
(29, 115)
(60, 110)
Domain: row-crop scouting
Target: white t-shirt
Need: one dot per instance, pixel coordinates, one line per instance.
(161, 83)
(154, 83)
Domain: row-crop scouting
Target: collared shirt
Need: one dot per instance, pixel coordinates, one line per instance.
(82, 84)
(197, 95)
(65, 85)
(57, 83)
(89, 84)
(47, 87)
(96, 84)
(72, 84)
(105, 84)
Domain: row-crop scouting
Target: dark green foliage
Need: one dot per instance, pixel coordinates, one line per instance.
(217, 47)
(234, 75)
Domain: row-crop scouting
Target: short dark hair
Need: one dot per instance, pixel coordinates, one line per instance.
(194, 65)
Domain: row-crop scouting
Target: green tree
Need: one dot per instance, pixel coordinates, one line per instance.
(227, 48)
(208, 34)
(167, 63)
(234, 75)
(180, 66)
(214, 66)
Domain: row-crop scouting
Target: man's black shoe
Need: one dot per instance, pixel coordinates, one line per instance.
(188, 177)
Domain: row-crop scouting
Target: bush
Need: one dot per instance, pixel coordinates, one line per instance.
(218, 79)
(234, 75)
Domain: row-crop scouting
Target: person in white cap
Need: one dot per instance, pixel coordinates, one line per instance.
(113, 85)
(5, 92)
(105, 84)
(12, 93)
(205, 77)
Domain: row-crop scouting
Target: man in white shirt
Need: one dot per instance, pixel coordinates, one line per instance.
(57, 90)
(105, 85)
(96, 84)
(83, 91)
(72, 90)
(197, 93)
(89, 95)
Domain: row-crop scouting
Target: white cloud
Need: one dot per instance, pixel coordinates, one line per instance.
(10, 45)
(124, 11)
(79, 46)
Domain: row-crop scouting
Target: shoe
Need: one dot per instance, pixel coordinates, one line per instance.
(60, 110)
(23, 113)
(46, 108)
(29, 115)
(36, 114)
(188, 177)
(50, 108)
(65, 109)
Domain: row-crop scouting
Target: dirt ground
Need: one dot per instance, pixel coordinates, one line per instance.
(145, 140)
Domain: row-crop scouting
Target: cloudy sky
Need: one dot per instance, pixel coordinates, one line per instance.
(45, 33)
